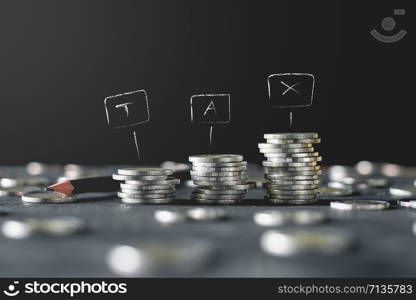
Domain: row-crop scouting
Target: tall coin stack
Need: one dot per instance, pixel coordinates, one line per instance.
(220, 178)
(291, 169)
(146, 185)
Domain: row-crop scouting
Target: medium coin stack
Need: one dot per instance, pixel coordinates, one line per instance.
(220, 178)
(146, 185)
(291, 169)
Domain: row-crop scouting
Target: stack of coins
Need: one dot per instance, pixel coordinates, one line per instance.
(146, 185)
(291, 169)
(220, 178)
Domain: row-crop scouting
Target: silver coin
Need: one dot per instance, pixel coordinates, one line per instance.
(275, 217)
(292, 197)
(57, 226)
(293, 242)
(9, 182)
(291, 201)
(286, 151)
(289, 165)
(220, 164)
(403, 191)
(288, 177)
(146, 187)
(242, 186)
(406, 203)
(169, 181)
(330, 192)
(145, 196)
(215, 197)
(139, 178)
(211, 174)
(148, 192)
(18, 191)
(217, 183)
(220, 192)
(292, 187)
(145, 171)
(274, 172)
(231, 169)
(291, 169)
(205, 214)
(295, 160)
(216, 158)
(210, 201)
(217, 178)
(290, 155)
(291, 182)
(360, 205)
(295, 192)
(283, 146)
(291, 135)
(293, 141)
(169, 216)
(161, 258)
(147, 201)
(47, 197)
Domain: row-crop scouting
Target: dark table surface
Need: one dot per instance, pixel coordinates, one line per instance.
(385, 242)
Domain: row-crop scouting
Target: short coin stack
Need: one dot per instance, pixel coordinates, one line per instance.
(146, 185)
(291, 169)
(220, 178)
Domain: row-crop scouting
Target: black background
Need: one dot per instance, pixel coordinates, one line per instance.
(60, 59)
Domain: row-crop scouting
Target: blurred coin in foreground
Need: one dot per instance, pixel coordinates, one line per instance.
(360, 205)
(285, 243)
(47, 197)
(292, 217)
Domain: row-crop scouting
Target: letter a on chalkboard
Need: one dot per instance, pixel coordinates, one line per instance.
(211, 106)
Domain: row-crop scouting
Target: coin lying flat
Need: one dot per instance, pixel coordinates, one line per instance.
(296, 217)
(163, 200)
(161, 257)
(286, 243)
(47, 197)
(291, 135)
(57, 226)
(403, 191)
(8, 182)
(212, 174)
(294, 141)
(207, 169)
(145, 171)
(239, 164)
(215, 197)
(169, 181)
(216, 158)
(283, 146)
(360, 205)
(146, 187)
(18, 191)
(294, 160)
(290, 155)
(139, 178)
(330, 192)
(293, 192)
(292, 150)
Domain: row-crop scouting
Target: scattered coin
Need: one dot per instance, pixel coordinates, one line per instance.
(403, 191)
(161, 257)
(296, 217)
(47, 197)
(18, 191)
(286, 243)
(360, 205)
(58, 226)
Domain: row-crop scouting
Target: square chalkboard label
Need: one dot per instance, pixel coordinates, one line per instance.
(210, 108)
(291, 89)
(128, 109)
